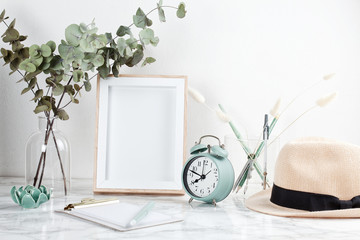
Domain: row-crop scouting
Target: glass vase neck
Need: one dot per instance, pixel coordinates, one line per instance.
(43, 123)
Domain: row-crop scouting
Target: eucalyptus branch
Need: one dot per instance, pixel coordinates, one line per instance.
(76, 93)
(82, 50)
(153, 11)
(148, 15)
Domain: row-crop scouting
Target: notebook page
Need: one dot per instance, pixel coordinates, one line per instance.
(121, 214)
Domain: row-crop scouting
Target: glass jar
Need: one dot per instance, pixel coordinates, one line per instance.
(48, 158)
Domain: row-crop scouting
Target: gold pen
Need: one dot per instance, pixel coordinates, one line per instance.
(87, 202)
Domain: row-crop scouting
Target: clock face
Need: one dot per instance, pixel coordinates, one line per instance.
(201, 176)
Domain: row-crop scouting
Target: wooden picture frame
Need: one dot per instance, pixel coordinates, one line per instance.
(140, 134)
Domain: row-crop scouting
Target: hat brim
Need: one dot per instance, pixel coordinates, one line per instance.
(260, 202)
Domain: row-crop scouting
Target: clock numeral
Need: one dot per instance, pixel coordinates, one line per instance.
(191, 174)
(199, 164)
(202, 191)
(194, 168)
(206, 162)
(213, 185)
(217, 179)
(211, 165)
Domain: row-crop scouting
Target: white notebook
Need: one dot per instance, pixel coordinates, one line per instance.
(118, 215)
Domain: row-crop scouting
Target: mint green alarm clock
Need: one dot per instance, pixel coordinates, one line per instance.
(208, 175)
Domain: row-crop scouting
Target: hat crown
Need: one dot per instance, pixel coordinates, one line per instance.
(319, 165)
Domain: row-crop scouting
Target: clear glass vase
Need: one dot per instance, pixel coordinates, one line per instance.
(238, 158)
(48, 158)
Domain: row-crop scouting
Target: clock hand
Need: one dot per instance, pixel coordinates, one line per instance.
(208, 172)
(196, 180)
(202, 172)
(195, 173)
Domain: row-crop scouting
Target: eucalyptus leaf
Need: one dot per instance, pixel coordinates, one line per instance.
(40, 109)
(109, 37)
(11, 35)
(98, 60)
(52, 45)
(70, 90)
(103, 71)
(38, 94)
(77, 74)
(27, 66)
(32, 83)
(4, 52)
(121, 46)
(180, 13)
(128, 52)
(8, 57)
(25, 90)
(148, 60)
(24, 53)
(2, 15)
(30, 76)
(45, 50)
(86, 46)
(87, 86)
(16, 46)
(148, 22)
(34, 50)
(22, 38)
(37, 61)
(154, 41)
(147, 36)
(122, 31)
(107, 60)
(115, 70)
(139, 19)
(44, 66)
(46, 101)
(14, 65)
(137, 57)
(58, 90)
(77, 87)
(55, 63)
(73, 34)
(83, 27)
(12, 24)
(62, 114)
(161, 12)
(131, 42)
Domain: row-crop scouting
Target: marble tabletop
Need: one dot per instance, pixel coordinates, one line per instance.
(230, 219)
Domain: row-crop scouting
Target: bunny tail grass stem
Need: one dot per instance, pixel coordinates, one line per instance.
(237, 133)
(326, 77)
(208, 107)
(313, 107)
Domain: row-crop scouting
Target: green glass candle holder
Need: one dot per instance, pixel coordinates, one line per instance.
(30, 197)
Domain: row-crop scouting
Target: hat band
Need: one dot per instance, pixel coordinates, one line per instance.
(310, 201)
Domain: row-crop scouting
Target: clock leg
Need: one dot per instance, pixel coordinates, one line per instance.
(190, 200)
(214, 202)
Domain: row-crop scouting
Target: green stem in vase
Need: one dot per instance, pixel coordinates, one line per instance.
(237, 134)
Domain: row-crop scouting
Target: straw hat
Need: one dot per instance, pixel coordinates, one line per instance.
(314, 178)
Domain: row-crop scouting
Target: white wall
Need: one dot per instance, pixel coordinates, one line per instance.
(244, 54)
